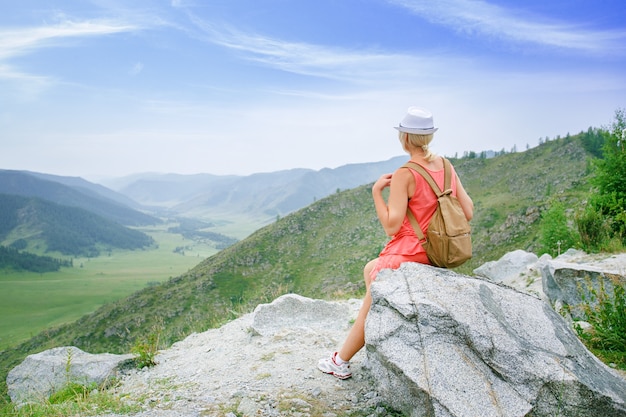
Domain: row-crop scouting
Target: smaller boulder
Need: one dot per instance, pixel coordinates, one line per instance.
(45, 373)
(295, 311)
(518, 269)
(509, 266)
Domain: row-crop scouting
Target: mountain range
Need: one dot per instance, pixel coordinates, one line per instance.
(144, 199)
(261, 197)
(75, 192)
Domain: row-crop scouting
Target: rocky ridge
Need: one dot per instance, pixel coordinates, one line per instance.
(264, 363)
(246, 368)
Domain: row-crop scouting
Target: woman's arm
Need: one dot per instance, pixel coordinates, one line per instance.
(391, 214)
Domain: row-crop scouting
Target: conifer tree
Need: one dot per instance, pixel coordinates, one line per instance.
(610, 175)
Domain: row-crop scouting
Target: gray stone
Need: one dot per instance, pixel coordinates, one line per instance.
(248, 407)
(42, 374)
(443, 344)
(295, 311)
(510, 265)
(518, 269)
(566, 282)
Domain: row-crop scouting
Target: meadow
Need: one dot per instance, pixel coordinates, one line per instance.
(32, 302)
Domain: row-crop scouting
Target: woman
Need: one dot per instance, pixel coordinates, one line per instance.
(406, 188)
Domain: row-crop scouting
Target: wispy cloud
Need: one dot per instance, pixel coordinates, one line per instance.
(20, 41)
(322, 61)
(25, 86)
(482, 18)
(16, 42)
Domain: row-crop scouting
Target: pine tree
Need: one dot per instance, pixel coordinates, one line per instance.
(610, 175)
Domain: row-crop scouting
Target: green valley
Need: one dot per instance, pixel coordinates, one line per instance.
(31, 302)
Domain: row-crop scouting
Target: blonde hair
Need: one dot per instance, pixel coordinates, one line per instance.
(415, 141)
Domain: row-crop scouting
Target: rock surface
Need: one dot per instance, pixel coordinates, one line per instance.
(558, 281)
(261, 364)
(567, 278)
(44, 373)
(442, 344)
(510, 266)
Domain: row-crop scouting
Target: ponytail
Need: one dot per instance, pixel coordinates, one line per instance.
(412, 140)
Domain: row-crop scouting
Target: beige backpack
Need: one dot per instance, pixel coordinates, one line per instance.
(448, 240)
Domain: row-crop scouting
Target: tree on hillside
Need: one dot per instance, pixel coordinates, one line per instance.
(612, 168)
(606, 213)
(611, 171)
(556, 236)
(593, 141)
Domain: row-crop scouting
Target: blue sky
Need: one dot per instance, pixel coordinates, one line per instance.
(107, 88)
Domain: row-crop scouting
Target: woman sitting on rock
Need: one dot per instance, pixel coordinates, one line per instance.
(406, 188)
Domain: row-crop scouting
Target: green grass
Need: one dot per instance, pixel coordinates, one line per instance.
(233, 223)
(76, 402)
(32, 302)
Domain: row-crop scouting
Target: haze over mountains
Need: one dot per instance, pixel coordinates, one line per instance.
(145, 199)
(253, 201)
(148, 199)
(262, 195)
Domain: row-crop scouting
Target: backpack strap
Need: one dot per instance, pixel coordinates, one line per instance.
(415, 224)
(447, 177)
(447, 181)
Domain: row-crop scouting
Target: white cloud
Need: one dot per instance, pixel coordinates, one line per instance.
(333, 63)
(481, 17)
(16, 42)
(20, 41)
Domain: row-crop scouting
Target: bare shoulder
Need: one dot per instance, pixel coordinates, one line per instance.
(402, 173)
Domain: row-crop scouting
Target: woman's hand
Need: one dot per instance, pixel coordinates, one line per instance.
(381, 183)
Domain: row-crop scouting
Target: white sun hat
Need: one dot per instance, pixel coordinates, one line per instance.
(417, 120)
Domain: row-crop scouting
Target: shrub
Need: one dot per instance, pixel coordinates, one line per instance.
(609, 178)
(147, 349)
(607, 316)
(594, 229)
(556, 235)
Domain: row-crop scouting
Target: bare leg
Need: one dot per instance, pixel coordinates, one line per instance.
(356, 337)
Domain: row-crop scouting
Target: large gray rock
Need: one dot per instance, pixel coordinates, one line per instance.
(42, 374)
(443, 344)
(566, 281)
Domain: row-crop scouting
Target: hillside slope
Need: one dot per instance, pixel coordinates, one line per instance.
(41, 224)
(89, 188)
(320, 250)
(73, 192)
(511, 191)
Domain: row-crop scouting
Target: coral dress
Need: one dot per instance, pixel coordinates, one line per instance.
(405, 246)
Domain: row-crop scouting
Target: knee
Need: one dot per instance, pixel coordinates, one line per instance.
(367, 272)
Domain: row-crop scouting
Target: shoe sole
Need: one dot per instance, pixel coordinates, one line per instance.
(338, 376)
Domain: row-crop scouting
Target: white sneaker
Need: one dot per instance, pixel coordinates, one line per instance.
(330, 366)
